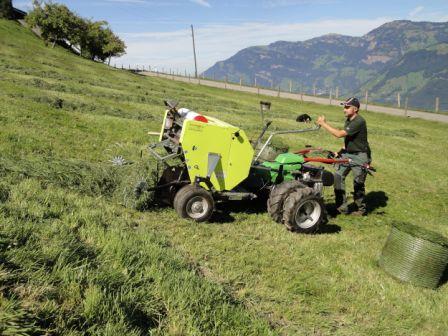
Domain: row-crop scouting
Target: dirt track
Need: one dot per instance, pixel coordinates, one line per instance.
(296, 96)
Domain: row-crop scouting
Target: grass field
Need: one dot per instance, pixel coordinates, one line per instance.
(76, 258)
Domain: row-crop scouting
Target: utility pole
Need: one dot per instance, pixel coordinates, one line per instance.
(194, 53)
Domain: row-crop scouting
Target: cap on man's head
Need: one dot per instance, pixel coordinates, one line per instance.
(353, 101)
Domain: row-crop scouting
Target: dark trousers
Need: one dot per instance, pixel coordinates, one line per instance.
(359, 179)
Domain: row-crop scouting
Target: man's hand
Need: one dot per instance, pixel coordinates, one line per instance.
(321, 120)
(336, 132)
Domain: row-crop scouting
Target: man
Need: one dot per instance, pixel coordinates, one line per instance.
(357, 149)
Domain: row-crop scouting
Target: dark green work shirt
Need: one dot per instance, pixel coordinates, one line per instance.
(356, 138)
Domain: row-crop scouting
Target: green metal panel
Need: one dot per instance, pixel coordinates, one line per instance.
(415, 255)
(289, 158)
(287, 168)
(216, 137)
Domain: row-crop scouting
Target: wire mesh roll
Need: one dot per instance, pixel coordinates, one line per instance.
(415, 255)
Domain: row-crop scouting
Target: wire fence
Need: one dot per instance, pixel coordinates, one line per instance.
(398, 100)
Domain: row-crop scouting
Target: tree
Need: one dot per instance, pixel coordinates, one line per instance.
(99, 42)
(114, 46)
(56, 22)
(93, 39)
(6, 11)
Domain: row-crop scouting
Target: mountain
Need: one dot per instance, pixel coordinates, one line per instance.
(421, 75)
(350, 63)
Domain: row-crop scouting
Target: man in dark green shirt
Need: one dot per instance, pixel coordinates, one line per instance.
(357, 149)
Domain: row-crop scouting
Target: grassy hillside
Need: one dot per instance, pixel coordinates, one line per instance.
(421, 74)
(76, 258)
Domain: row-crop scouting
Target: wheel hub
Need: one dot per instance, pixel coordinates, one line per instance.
(197, 207)
(307, 214)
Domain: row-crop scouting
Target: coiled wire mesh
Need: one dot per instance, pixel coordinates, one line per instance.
(415, 255)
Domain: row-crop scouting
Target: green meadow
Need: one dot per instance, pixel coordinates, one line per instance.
(78, 258)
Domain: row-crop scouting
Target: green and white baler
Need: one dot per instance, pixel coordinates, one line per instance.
(206, 160)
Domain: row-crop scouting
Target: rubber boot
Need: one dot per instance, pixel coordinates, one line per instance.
(358, 197)
(341, 201)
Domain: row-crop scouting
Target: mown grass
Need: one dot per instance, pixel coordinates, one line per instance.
(76, 261)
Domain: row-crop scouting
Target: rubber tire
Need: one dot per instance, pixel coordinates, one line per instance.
(188, 192)
(278, 196)
(296, 199)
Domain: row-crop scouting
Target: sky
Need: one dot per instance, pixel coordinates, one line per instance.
(158, 33)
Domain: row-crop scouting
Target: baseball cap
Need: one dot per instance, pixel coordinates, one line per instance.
(353, 101)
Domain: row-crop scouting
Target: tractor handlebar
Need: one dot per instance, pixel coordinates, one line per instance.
(311, 129)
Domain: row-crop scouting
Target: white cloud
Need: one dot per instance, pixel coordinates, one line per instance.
(413, 13)
(128, 1)
(201, 3)
(421, 14)
(287, 3)
(218, 42)
(139, 2)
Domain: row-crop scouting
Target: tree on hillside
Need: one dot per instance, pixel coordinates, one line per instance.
(6, 11)
(94, 39)
(56, 22)
(114, 47)
(98, 42)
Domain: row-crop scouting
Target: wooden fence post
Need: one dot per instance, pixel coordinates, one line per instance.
(398, 100)
(290, 86)
(406, 107)
(278, 92)
(367, 99)
(255, 82)
(337, 92)
(331, 95)
(437, 104)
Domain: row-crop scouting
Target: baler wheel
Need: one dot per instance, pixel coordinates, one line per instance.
(304, 211)
(194, 203)
(278, 196)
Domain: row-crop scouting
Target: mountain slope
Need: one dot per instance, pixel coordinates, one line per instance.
(332, 60)
(419, 75)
